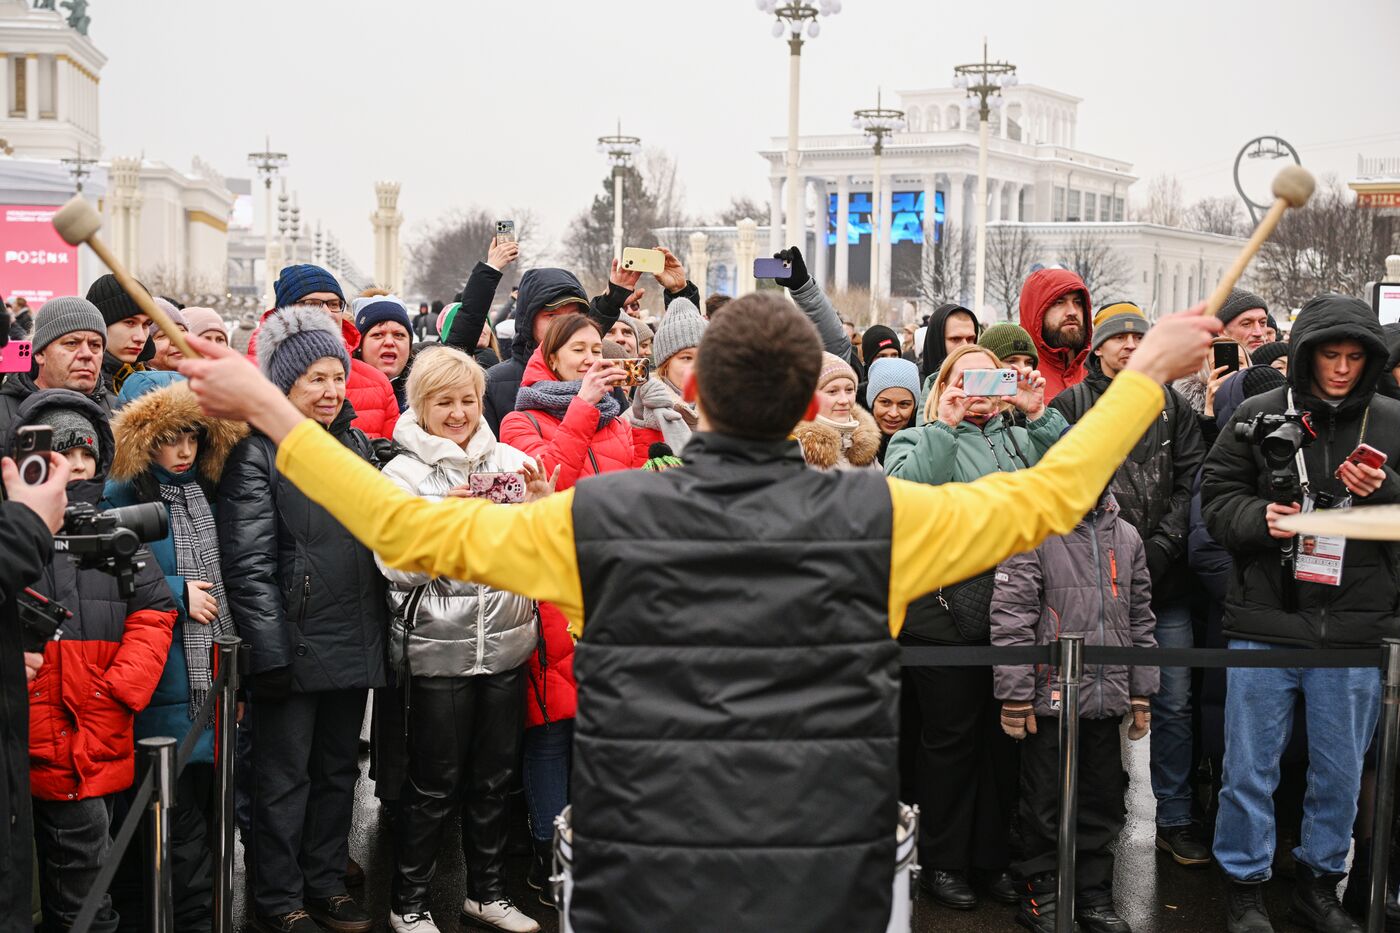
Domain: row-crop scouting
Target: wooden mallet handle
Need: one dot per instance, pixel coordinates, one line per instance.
(77, 222)
(1292, 188)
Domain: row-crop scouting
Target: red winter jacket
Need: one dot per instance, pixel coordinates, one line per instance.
(1060, 368)
(568, 443)
(369, 391)
(95, 679)
(555, 691)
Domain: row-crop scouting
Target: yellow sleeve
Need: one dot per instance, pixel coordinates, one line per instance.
(943, 534)
(527, 549)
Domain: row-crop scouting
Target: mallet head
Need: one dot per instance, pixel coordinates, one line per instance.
(1294, 184)
(77, 221)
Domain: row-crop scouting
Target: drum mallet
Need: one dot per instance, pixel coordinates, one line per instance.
(77, 222)
(1292, 188)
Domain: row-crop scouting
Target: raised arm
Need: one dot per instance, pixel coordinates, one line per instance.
(477, 296)
(809, 298)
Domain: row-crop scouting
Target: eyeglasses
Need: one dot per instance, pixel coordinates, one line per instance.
(330, 304)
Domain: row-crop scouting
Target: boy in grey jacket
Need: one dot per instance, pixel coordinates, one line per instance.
(1093, 581)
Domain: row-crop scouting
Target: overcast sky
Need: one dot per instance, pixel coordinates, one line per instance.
(498, 104)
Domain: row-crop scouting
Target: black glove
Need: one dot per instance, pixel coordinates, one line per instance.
(1159, 564)
(385, 450)
(275, 684)
(799, 276)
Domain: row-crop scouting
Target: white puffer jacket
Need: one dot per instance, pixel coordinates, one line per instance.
(458, 629)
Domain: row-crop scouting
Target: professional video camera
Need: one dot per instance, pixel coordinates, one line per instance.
(1279, 438)
(109, 541)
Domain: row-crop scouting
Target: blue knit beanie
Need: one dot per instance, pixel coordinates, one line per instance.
(371, 311)
(892, 373)
(293, 339)
(296, 282)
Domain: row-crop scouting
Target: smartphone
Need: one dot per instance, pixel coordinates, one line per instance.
(1366, 455)
(989, 382)
(1227, 355)
(505, 231)
(771, 269)
(501, 488)
(32, 446)
(637, 370)
(635, 259)
(16, 357)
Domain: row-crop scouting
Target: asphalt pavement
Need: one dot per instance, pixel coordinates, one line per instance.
(1153, 893)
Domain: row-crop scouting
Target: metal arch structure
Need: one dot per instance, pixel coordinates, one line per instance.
(1272, 147)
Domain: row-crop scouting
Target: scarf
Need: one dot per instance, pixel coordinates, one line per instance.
(846, 429)
(659, 407)
(196, 541)
(553, 398)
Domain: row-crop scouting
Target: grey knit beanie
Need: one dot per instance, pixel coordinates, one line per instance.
(891, 373)
(70, 429)
(1238, 302)
(293, 339)
(172, 312)
(640, 332)
(682, 327)
(60, 317)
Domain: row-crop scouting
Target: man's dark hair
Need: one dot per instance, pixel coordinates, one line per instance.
(714, 303)
(757, 367)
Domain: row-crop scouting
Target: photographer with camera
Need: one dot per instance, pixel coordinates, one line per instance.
(1323, 592)
(114, 617)
(28, 520)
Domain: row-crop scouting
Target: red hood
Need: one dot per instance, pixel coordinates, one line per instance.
(537, 371)
(347, 330)
(1041, 290)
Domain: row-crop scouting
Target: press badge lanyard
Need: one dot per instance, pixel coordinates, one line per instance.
(1318, 558)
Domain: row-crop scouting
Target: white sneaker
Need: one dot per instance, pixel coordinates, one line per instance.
(413, 922)
(500, 914)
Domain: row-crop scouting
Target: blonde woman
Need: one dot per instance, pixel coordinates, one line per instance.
(966, 767)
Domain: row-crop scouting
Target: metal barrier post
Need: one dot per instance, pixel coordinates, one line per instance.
(159, 755)
(1071, 672)
(226, 658)
(1388, 752)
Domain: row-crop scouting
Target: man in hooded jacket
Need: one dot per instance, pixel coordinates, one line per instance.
(950, 326)
(1056, 312)
(1336, 358)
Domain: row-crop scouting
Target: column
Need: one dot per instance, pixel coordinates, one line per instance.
(993, 199)
(955, 201)
(1017, 210)
(697, 263)
(775, 218)
(744, 251)
(63, 89)
(4, 85)
(819, 228)
(886, 226)
(843, 220)
(31, 86)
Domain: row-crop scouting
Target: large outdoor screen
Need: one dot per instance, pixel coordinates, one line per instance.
(35, 263)
(906, 217)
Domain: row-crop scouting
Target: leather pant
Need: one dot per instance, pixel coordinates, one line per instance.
(463, 749)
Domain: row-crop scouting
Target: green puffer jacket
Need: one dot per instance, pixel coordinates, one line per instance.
(936, 454)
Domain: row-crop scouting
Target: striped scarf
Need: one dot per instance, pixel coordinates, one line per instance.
(197, 558)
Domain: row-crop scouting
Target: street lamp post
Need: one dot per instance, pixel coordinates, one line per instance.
(620, 150)
(793, 18)
(877, 123)
(983, 82)
(268, 163)
(78, 168)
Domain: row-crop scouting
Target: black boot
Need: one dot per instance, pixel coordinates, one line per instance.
(541, 867)
(1001, 887)
(1356, 899)
(1315, 901)
(949, 888)
(1037, 912)
(1098, 915)
(1244, 908)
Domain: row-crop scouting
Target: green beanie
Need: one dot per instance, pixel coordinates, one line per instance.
(1008, 340)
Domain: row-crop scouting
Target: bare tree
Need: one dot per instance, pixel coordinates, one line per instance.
(739, 208)
(949, 276)
(1327, 246)
(1166, 205)
(1011, 250)
(652, 198)
(443, 255)
(1217, 215)
(1090, 255)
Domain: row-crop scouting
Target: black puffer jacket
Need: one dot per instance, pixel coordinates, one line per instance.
(303, 591)
(1263, 602)
(1153, 486)
(19, 386)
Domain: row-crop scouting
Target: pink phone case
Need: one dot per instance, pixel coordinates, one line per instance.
(16, 357)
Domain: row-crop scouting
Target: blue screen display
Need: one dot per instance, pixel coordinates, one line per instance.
(906, 223)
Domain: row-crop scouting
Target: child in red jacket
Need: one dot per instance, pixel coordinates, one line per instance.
(101, 670)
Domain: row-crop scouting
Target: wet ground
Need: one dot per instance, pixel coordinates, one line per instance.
(1153, 893)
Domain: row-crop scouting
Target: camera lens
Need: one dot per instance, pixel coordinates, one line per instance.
(33, 471)
(148, 521)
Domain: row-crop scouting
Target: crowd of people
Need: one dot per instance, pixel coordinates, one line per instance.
(473, 683)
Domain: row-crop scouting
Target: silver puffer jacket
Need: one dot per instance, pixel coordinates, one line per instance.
(458, 629)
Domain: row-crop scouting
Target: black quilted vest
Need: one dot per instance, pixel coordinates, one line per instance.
(736, 742)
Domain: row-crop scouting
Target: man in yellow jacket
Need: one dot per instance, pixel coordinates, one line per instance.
(735, 748)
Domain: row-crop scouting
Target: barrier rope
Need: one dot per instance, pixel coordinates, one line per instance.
(992, 655)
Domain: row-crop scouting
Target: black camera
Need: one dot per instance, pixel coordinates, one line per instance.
(109, 541)
(39, 619)
(1278, 437)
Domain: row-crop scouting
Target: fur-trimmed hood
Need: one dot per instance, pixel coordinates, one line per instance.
(1193, 389)
(161, 412)
(825, 446)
